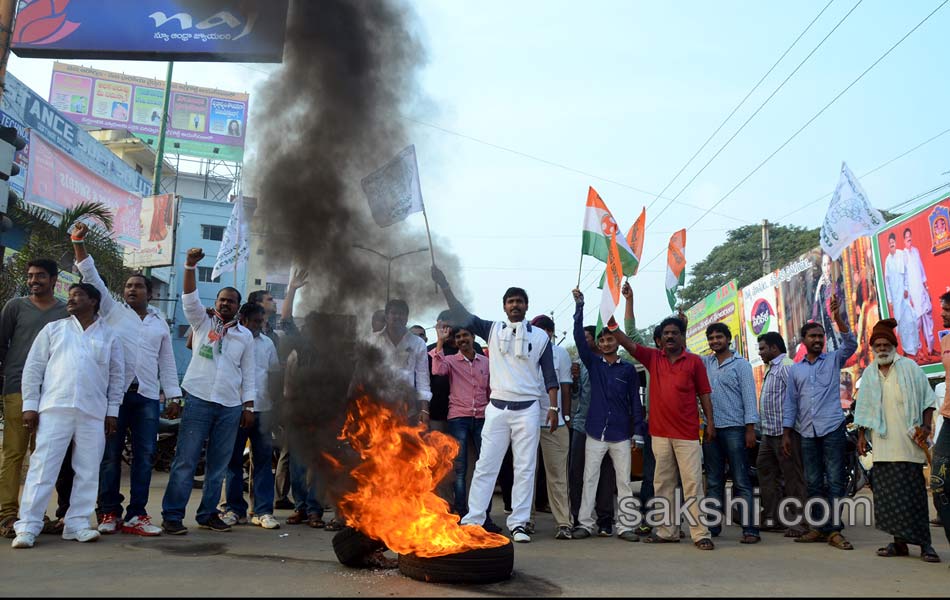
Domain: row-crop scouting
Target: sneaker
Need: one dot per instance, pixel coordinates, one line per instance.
(563, 533)
(23, 540)
(82, 535)
(141, 525)
(214, 523)
(644, 530)
(231, 518)
(507, 510)
(605, 531)
(529, 527)
(580, 533)
(491, 527)
(109, 525)
(174, 528)
(518, 534)
(629, 536)
(266, 521)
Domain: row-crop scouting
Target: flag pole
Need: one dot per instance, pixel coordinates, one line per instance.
(429, 236)
(580, 267)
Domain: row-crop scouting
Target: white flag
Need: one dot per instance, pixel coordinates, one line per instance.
(850, 216)
(234, 250)
(394, 191)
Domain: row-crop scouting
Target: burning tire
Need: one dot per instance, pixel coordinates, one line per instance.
(484, 565)
(352, 547)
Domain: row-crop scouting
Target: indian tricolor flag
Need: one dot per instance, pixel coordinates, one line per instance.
(635, 238)
(599, 229)
(675, 266)
(614, 277)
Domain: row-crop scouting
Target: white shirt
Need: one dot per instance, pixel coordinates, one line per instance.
(517, 378)
(69, 367)
(265, 362)
(146, 343)
(562, 367)
(409, 358)
(227, 378)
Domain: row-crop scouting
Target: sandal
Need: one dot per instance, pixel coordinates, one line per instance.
(655, 539)
(296, 518)
(791, 532)
(893, 549)
(811, 536)
(750, 539)
(316, 522)
(839, 541)
(705, 544)
(928, 554)
(54, 527)
(6, 528)
(334, 525)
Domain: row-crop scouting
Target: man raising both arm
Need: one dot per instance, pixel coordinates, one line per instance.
(520, 363)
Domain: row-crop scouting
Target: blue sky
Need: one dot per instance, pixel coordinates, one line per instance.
(627, 91)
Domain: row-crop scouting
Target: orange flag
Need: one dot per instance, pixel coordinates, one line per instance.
(635, 238)
(675, 266)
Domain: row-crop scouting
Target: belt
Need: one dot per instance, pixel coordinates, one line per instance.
(508, 405)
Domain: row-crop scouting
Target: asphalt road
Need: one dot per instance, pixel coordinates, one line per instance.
(299, 561)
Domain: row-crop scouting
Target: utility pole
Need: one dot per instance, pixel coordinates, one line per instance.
(766, 252)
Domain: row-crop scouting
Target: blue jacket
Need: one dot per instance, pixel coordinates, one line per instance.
(615, 412)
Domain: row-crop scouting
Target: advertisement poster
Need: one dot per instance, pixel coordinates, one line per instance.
(722, 306)
(56, 181)
(161, 30)
(913, 270)
(203, 122)
(759, 314)
(157, 220)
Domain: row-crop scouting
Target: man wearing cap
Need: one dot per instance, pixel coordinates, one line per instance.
(896, 408)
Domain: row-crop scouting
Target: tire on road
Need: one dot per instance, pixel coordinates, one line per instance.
(484, 565)
(352, 547)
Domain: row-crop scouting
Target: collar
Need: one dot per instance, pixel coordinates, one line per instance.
(458, 356)
(778, 359)
(820, 357)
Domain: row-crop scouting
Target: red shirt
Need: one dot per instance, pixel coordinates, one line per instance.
(674, 388)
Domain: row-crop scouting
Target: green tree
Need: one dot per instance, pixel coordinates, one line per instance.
(740, 257)
(48, 237)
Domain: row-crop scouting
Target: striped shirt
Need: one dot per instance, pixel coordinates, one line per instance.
(773, 395)
(733, 391)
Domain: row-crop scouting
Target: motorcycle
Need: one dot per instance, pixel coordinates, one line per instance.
(859, 468)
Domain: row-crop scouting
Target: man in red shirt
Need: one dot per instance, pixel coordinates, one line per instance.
(677, 379)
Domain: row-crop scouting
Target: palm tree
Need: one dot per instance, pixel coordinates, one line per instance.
(48, 237)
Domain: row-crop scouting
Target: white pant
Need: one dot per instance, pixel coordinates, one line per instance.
(594, 451)
(58, 428)
(523, 429)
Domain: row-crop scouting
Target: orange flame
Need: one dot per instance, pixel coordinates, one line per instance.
(395, 498)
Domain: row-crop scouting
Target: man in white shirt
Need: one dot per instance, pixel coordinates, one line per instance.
(407, 355)
(73, 378)
(149, 368)
(219, 379)
(253, 317)
(555, 445)
(898, 297)
(919, 296)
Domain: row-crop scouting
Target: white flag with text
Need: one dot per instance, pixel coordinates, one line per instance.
(393, 191)
(234, 249)
(850, 216)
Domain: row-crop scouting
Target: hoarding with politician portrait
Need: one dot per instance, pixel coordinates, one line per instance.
(158, 220)
(203, 122)
(721, 306)
(913, 259)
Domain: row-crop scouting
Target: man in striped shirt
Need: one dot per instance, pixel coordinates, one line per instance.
(774, 466)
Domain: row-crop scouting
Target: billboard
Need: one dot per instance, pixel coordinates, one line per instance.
(157, 221)
(912, 254)
(202, 122)
(56, 181)
(759, 313)
(178, 30)
(22, 108)
(721, 306)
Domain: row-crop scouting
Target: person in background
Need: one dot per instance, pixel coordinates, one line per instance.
(420, 332)
(266, 300)
(20, 322)
(73, 381)
(406, 354)
(258, 434)
(940, 469)
(812, 408)
(642, 438)
(896, 408)
(379, 321)
(149, 368)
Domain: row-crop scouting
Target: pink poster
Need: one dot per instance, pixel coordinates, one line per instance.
(55, 181)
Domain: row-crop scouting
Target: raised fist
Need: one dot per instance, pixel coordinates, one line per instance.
(194, 256)
(578, 296)
(80, 230)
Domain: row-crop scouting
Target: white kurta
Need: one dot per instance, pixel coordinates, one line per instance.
(895, 275)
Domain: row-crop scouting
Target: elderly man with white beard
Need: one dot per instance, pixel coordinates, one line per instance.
(896, 406)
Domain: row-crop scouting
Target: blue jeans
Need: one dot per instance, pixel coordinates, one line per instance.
(138, 418)
(729, 444)
(824, 459)
(200, 420)
(305, 494)
(262, 451)
(649, 466)
(463, 429)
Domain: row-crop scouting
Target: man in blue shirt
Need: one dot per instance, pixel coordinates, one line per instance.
(613, 416)
(734, 404)
(813, 408)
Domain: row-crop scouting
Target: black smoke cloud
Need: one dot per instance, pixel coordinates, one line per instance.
(329, 116)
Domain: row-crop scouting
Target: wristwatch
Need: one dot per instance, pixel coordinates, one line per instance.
(567, 418)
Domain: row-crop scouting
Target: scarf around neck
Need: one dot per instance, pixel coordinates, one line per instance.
(219, 329)
(514, 334)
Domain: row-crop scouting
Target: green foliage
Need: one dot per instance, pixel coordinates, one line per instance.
(48, 237)
(740, 257)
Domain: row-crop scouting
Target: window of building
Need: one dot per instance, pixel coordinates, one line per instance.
(204, 275)
(212, 232)
(277, 290)
(257, 282)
